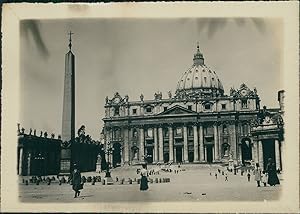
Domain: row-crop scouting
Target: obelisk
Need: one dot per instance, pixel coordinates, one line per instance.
(68, 117)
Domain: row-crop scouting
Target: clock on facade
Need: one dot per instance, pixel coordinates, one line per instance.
(244, 92)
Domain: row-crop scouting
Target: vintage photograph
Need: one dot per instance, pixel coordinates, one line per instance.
(127, 110)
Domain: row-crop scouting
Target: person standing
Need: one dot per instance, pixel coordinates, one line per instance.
(272, 173)
(257, 174)
(144, 178)
(264, 178)
(226, 177)
(76, 181)
(248, 176)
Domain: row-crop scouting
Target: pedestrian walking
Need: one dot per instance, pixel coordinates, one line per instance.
(248, 176)
(216, 175)
(257, 174)
(76, 181)
(226, 177)
(272, 173)
(144, 178)
(264, 178)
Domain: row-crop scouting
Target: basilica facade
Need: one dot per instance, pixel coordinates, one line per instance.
(198, 124)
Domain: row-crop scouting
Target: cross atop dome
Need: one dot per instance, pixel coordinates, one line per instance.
(198, 57)
(70, 40)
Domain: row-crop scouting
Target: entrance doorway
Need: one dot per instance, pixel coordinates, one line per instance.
(268, 151)
(178, 154)
(149, 153)
(116, 161)
(246, 150)
(166, 157)
(209, 153)
(191, 156)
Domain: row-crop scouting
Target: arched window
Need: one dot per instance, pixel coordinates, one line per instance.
(207, 106)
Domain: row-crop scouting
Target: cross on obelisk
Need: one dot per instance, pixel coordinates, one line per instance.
(68, 119)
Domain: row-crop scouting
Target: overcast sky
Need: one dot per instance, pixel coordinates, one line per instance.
(134, 56)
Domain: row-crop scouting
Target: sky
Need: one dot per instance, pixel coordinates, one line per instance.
(134, 56)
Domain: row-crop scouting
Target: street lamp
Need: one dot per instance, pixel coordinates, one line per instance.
(108, 151)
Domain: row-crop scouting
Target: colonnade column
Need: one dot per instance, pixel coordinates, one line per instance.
(161, 145)
(196, 157)
(185, 145)
(283, 152)
(260, 154)
(216, 144)
(20, 160)
(277, 154)
(142, 140)
(171, 144)
(29, 163)
(155, 145)
(201, 147)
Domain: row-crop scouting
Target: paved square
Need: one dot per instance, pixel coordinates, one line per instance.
(193, 184)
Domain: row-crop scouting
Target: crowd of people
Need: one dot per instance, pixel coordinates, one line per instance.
(265, 177)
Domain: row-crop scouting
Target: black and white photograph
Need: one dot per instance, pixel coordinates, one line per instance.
(188, 112)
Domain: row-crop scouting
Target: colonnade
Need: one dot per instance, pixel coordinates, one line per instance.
(258, 153)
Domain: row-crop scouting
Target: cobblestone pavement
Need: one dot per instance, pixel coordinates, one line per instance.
(193, 184)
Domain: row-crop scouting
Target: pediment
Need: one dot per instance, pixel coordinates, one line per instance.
(177, 110)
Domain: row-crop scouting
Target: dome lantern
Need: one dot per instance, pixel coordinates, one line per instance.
(198, 57)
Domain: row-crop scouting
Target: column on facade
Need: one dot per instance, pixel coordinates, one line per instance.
(233, 141)
(254, 152)
(201, 146)
(20, 160)
(185, 145)
(161, 145)
(107, 141)
(220, 141)
(126, 145)
(155, 152)
(171, 140)
(196, 150)
(205, 152)
(277, 154)
(260, 154)
(142, 144)
(216, 143)
(239, 145)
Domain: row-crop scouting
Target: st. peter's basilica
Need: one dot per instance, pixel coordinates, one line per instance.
(200, 123)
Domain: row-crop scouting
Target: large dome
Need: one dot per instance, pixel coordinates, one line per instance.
(200, 80)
